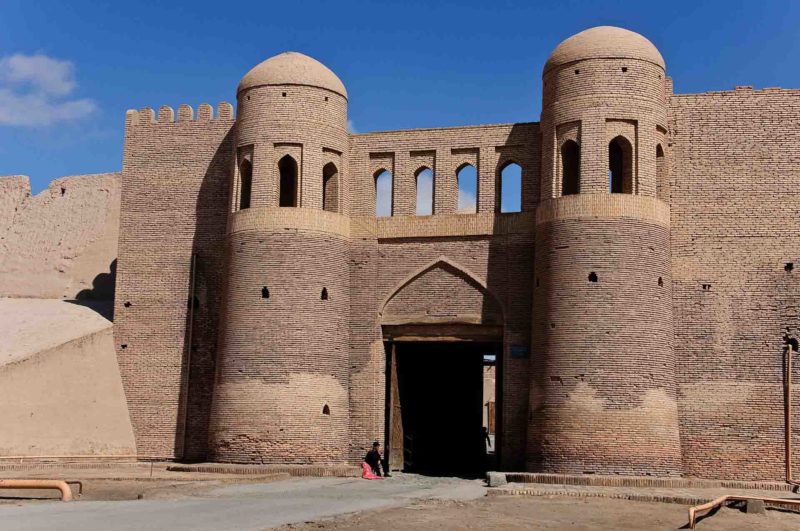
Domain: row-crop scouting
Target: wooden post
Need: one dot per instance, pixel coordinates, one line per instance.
(395, 416)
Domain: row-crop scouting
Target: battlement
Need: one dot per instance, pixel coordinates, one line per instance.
(743, 90)
(166, 114)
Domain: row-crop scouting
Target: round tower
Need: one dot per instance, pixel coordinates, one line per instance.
(281, 392)
(603, 393)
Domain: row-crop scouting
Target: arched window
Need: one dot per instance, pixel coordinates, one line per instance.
(467, 177)
(661, 173)
(620, 166)
(510, 188)
(383, 193)
(330, 187)
(246, 180)
(424, 178)
(570, 168)
(287, 168)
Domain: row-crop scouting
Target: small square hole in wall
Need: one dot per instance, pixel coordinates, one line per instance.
(324, 295)
(592, 277)
(264, 293)
(326, 98)
(624, 68)
(706, 287)
(283, 94)
(788, 267)
(660, 281)
(248, 97)
(577, 71)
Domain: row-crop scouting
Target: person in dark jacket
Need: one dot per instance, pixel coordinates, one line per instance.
(376, 462)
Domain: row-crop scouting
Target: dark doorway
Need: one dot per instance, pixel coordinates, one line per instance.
(435, 406)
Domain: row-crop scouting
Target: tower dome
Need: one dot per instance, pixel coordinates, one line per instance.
(292, 68)
(604, 42)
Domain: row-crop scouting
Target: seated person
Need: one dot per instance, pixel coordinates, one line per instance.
(375, 462)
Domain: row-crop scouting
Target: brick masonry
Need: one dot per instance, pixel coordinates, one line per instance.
(642, 333)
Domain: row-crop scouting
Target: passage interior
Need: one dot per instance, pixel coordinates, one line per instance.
(439, 413)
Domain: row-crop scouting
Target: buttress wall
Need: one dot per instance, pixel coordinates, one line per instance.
(735, 191)
(175, 196)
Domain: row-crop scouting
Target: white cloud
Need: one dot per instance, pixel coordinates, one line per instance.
(34, 90)
(466, 202)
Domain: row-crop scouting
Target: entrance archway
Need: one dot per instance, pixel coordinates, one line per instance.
(441, 352)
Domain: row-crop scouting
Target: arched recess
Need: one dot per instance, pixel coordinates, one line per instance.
(570, 168)
(509, 187)
(246, 183)
(383, 193)
(454, 268)
(661, 174)
(620, 166)
(467, 178)
(287, 167)
(425, 182)
(330, 187)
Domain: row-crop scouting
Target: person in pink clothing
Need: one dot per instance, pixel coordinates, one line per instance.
(375, 461)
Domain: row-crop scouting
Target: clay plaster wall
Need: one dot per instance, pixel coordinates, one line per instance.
(62, 242)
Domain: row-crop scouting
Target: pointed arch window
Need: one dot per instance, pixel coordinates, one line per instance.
(510, 187)
(425, 189)
(330, 187)
(620, 166)
(467, 177)
(661, 173)
(570, 168)
(246, 184)
(287, 167)
(383, 193)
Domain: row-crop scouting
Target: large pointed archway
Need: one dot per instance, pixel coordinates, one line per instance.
(443, 329)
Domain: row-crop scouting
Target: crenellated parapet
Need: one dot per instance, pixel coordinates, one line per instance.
(166, 114)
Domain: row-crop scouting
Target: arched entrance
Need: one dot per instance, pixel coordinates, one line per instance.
(443, 332)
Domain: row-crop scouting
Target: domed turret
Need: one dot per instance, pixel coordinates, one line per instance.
(285, 328)
(603, 394)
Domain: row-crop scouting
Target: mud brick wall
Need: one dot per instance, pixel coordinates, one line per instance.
(175, 194)
(61, 242)
(603, 397)
(486, 255)
(282, 380)
(735, 184)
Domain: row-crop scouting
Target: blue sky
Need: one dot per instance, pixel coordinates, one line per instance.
(69, 70)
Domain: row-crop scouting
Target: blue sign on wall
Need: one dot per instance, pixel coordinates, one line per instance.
(520, 351)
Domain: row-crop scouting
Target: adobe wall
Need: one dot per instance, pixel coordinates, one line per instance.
(175, 197)
(62, 242)
(735, 225)
(445, 268)
(60, 390)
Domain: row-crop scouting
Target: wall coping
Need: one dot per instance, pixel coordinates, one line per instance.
(604, 206)
(276, 219)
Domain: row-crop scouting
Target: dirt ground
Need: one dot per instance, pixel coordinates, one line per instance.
(549, 512)
(128, 489)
